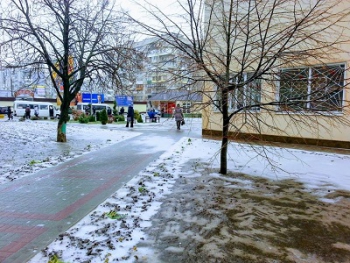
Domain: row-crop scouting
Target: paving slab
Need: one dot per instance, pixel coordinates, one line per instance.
(35, 209)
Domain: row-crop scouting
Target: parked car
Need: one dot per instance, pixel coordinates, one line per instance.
(3, 110)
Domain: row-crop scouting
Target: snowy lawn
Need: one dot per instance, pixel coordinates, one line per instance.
(292, 207)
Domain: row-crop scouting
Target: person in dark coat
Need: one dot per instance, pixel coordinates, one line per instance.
(27, 112)
(130, 117)
(51, 111)
(121, 112)
(9, 113)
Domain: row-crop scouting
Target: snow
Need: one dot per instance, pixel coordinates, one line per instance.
(99, 238)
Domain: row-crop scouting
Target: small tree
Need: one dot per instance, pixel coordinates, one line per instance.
(70, 40)
(103, 117)
(234, 46)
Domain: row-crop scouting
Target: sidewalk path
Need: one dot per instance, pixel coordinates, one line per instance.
(36, 208)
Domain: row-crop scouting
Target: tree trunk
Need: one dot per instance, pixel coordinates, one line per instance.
(61, 131)
(225, 125)
(62, 124)
(223, 152)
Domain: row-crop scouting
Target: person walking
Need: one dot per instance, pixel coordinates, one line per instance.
(9, 113)
(36, 111)
(27, 112)
(178, 115)
(51, 111)
(130, 117)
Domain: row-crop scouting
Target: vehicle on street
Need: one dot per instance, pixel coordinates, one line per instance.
(3, 110)
(95, 107)
(46, 109)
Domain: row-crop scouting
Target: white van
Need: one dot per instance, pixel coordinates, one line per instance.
(96, 107)
(45, 108)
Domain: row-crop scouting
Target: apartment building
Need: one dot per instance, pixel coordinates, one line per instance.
(162, 82)
(23, 81)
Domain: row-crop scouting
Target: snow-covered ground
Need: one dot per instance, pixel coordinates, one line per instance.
(115, 231)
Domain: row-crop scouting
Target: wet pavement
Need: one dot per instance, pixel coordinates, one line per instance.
(35, 209)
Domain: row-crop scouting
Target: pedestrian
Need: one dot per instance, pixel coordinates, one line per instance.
(87, 110)
(178, 115)
(36, 111)
(51, 111)
(109, 112)
(9, 113)
(121, 112)
(130, 117)
(27, 112)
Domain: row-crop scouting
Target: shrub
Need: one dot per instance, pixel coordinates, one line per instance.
(83, 118)
(98, 114)
(92, 118)
(77, 114)
(119, 118)
(139, 119)
(136, 115)
(103, 117)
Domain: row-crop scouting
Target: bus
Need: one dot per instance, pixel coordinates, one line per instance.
(96, 107)
(46, 109)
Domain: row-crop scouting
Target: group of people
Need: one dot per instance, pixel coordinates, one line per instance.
(177, 115)
(130, 115)
(27, 112)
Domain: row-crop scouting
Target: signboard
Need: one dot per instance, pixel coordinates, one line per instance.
(93, 98)
(40, 91)
(124, 100)
(24, 93)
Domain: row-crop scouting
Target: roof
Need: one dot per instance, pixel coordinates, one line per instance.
(176, 96)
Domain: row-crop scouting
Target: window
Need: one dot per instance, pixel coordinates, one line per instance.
(312, 88)
(44, 107)
(186, 107)
(248, 96)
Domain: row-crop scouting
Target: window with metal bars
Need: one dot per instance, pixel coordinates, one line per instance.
(318, 88)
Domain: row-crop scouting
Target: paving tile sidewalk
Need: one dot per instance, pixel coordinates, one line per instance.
(36, 208)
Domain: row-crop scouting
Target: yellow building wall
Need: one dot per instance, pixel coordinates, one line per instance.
(281, 126)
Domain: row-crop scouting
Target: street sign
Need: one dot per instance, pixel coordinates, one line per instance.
(124, 100)
(92, 98)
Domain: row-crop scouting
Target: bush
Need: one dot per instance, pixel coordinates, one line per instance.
(98, 116)
(76, 115)
(139, 119)
(83, 118)
(137, 115)
(92, 118)
(103, 117)
(119, 118)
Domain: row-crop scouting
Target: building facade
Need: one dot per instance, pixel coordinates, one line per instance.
(14, 82)
(164, 73)
(288, 82)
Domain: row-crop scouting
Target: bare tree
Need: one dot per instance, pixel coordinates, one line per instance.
(256, 58)
(73, 40)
